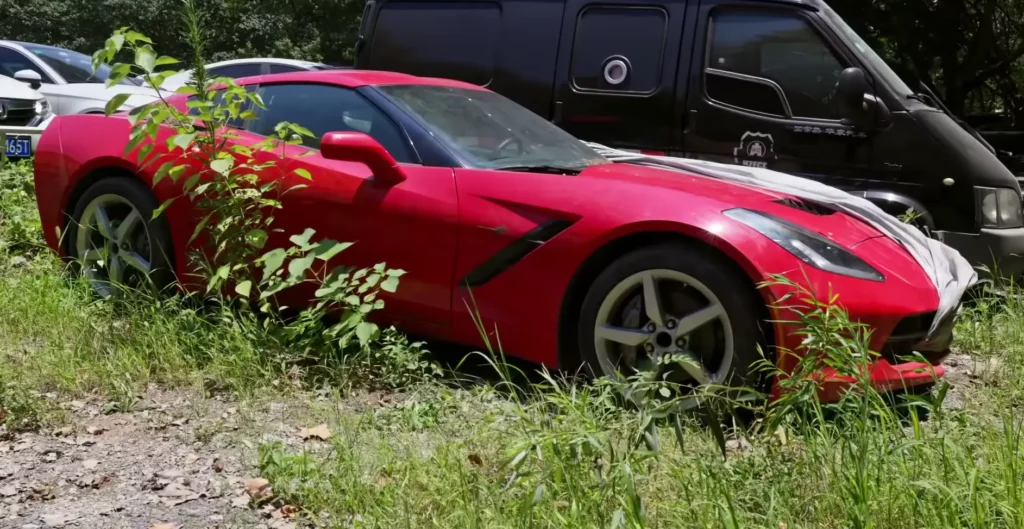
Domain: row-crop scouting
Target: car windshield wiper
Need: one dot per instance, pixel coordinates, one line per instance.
(546, 169)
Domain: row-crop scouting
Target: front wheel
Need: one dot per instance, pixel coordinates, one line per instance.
(673, 300)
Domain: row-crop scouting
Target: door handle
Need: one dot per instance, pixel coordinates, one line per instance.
(556, 114)
(691, 121)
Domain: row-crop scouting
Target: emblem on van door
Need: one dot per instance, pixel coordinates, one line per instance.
(756, 145)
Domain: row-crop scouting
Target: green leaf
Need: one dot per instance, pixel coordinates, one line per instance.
(256, 238)
(302, 240)
(366, 331)
(165, 60)
(304, 174)
(165, 205)
(115, 42)
(177, 171)
(327, 249)
(222, 165)
(200, 227)
(243, 288)
(161, 173)
(115, 103)
(145, 58)
(182, 141)
(390, 284)
(298, 267)
(272, 262)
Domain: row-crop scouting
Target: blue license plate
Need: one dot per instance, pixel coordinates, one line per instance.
(19, 147)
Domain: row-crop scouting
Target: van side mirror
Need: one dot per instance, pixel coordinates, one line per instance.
(362, 148)
(857, 106)
(29, 77)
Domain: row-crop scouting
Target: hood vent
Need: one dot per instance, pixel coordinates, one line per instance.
(813, 209)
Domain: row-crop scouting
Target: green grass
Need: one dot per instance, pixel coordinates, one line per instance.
(553, 454)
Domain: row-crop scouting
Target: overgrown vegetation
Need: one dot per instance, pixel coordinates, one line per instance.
(555, 453)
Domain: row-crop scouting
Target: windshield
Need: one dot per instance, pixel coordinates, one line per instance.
(866, 52)
(74, 67)
(489, 131)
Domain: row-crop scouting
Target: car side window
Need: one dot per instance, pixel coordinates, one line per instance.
(326, 108)
(237, 71)
(283, 68)
(753, 55)
(12, 62)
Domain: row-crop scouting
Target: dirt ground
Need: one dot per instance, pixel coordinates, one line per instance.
(169, 463)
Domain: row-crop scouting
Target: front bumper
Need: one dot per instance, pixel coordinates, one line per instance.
(1000, 251)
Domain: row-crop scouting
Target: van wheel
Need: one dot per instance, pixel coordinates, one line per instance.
(672, 301)
(115, 241)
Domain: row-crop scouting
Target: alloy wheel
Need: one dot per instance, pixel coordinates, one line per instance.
(660, 313)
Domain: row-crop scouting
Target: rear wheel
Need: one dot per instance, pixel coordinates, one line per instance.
(115, 240)
(672, 300)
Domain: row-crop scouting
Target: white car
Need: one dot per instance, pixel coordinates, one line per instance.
(20, 106)
(66, 78)
(238, 68)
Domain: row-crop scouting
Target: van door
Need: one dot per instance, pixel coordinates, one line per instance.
(615, 79)
(763, 94)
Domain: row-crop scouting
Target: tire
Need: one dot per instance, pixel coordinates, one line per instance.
(668, 264)
(147, 237)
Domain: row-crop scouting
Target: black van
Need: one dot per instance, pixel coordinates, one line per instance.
(782, 84)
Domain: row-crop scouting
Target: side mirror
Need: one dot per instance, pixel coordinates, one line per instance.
(29, 77)
(359, 147)
(857, 106)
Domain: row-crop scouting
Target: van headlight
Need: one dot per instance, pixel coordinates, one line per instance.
(998, 207)
(806, 245)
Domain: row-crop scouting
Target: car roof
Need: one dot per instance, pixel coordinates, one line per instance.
(356, 78)
(271, 60)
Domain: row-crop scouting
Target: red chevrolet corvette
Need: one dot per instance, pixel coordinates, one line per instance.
(573, 259)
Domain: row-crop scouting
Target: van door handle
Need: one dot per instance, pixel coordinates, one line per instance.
(556, 114)
(691, 121)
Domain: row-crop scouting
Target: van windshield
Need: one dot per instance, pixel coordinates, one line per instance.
(488, 131)
(865, 52)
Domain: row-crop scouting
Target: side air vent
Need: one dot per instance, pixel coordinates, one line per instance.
(813, 209)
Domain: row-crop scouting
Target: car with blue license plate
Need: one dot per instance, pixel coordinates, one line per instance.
(23, 111)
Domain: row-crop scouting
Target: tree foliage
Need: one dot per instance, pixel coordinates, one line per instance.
(319, 30)
(972, 51)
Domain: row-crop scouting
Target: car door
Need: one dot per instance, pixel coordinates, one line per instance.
(410, 226)
(615, 79)
(763, 95)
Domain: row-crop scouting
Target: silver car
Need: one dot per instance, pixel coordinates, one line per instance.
(66, 78)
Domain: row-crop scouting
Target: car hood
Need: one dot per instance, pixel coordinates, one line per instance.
(138, 95)
(14, 89)
(679, 185)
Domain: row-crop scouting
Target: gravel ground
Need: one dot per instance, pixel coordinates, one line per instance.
(168, 464)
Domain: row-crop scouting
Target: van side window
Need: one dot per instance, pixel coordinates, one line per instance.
(611, 33)
(457, 40)
(755, 55)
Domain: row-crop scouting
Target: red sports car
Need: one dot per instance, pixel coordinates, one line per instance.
(573, 259)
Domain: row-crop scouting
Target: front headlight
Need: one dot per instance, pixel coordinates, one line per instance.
(998, 207)
(42, 108)
(806, 245)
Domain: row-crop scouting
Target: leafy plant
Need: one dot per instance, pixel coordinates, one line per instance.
(237, 189)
